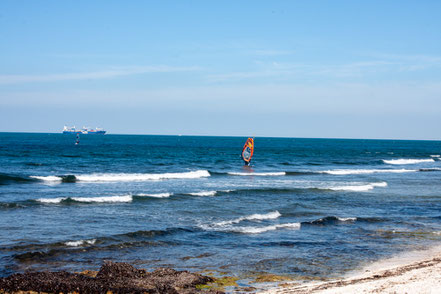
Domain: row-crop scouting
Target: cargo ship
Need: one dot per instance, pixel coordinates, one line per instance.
(84, 130)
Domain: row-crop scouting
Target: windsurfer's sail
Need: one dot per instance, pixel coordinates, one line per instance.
(248, 150)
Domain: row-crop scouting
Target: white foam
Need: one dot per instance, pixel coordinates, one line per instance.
(47, 178)
(270, 215)
(360, 188)
(259, 230)
(51, 200)
(347, 219)
(141, 177)
(123, 177)
(407, 161)
(80, 242)
(203, 193)
(110, 199)
(365, 171)
(436, 156)
(157, 195)
(257, 174)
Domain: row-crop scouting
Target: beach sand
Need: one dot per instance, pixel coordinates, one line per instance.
(414, 272)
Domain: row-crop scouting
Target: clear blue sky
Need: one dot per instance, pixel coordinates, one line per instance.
(341, 69)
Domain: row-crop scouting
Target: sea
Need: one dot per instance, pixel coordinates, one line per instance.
(304, 209)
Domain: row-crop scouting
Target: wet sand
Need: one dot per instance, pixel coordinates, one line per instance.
(414, 272)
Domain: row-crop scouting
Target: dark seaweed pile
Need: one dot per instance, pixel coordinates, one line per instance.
(114, 277)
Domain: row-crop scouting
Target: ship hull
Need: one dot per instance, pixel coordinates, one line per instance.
(84, 133)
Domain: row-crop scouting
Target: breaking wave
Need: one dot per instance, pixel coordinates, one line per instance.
(359, 188)
(330, 220)
(122, 177)
(105, 199)
(203, 193)
(262, 174)
(252, 217)
(259, 230)
(80, 243)
(365, 171)
(228, 226)
(406, 161)
(155, 195)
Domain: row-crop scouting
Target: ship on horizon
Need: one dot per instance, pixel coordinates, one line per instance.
(84, 130)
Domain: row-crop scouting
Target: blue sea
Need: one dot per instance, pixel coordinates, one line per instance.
(305, 208)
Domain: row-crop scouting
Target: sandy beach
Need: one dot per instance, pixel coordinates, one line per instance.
(413, 272)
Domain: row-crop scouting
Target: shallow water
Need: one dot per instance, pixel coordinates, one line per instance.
(305, 208)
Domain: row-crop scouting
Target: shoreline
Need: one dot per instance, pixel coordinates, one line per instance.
(409, 272)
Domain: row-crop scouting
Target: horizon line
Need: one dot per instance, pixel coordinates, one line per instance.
(227, 136)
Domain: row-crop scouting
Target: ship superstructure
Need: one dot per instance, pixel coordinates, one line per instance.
(84, 130)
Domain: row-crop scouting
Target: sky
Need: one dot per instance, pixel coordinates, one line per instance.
(313, 69)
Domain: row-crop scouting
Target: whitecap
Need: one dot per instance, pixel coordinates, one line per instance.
(359, 188)
(122, 177)
(125, 177)
(407, 161)
(262, 174)
(365, 171)
(80, 243)
(203, 193)
(252, 217)
(347, 219)
(51, 200)
(157, 195)
(109, 199)
(259, 230)
(47, 178)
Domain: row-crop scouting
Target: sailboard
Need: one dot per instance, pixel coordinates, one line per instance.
(248, 150)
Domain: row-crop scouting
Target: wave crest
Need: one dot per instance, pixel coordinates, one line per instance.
(259, 230)
(123, 177)
(360, 188)
(407, 161)
(261, 174)
(256, 216)
(365, 171)
(104, 199)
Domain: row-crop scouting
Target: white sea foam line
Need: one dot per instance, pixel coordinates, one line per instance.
(51, 200)
(259, 230)
(203, 193)
(47, 178)
(436, 156)
(157, 195)
(111, 199)
(257, 174)
(347, 219)
(122, 177)
(407, 161)
(142, 177)
(365, 171)
(125, 198)
(256, 216)
(80, 242)
(360, 188)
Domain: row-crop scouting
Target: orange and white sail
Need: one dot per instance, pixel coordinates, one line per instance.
(248, 150)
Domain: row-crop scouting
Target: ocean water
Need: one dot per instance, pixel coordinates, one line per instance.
(305, 208)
